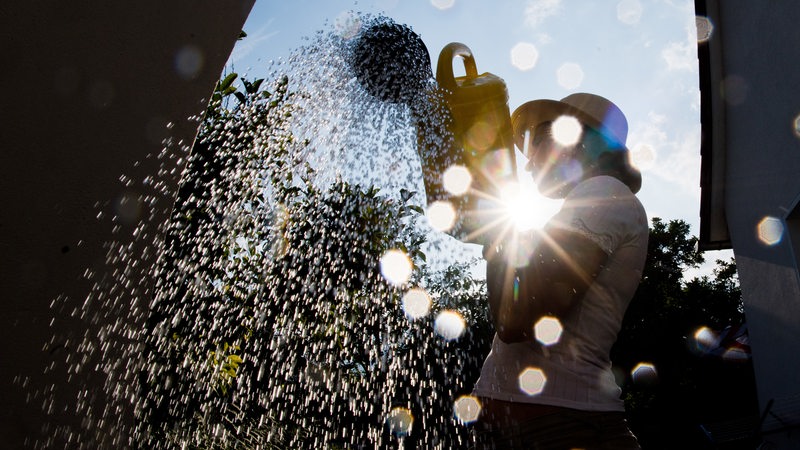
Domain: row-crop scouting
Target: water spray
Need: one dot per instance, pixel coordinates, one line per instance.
(461, 122)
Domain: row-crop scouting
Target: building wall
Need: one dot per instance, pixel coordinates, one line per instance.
(761, 100)
(91, 89)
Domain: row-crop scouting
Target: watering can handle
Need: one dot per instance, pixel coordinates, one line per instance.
(444, 68)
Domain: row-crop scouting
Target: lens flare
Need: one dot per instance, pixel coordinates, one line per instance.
(705, 338)
(527, 208)
(396, 267)
(188, 62)
(497, 164)
(524, 56)
(457, 179)
(796, 124)
(735, 89)
(704, 28)
(770, 230)
(481, 135)
(128, 207)
(400, 421)
(416, 303)
(548, 330)
(443, 4)
(441, 215)
(569, 75)
(735, 355)
(449, 325)
(467, 409)
(644, 373)
(571, 171)
(532, 381)
(566, 131)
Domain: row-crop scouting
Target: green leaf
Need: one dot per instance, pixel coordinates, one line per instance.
(256, 85)
(227, 81)
(406, 195)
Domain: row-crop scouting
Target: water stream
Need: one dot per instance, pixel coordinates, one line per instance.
(301, 299)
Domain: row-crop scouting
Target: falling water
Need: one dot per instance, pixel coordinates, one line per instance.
(275, 320)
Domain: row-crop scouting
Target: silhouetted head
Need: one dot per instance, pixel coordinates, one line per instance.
(596, 131)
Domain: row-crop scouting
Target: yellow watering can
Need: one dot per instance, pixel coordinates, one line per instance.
(481, 127)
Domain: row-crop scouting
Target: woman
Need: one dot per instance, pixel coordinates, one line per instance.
(578, 274)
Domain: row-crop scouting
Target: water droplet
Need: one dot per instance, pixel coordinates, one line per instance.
(347, 24)
(281, 285)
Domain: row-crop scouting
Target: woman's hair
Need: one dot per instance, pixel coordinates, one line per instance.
(616, 164)
(602, 156)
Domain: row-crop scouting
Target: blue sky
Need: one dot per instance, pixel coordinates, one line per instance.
(641, 54)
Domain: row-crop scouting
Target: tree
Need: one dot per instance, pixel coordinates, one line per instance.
(664, 326)
(272, 323)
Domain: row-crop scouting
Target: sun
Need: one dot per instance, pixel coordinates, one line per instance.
(526, 208)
